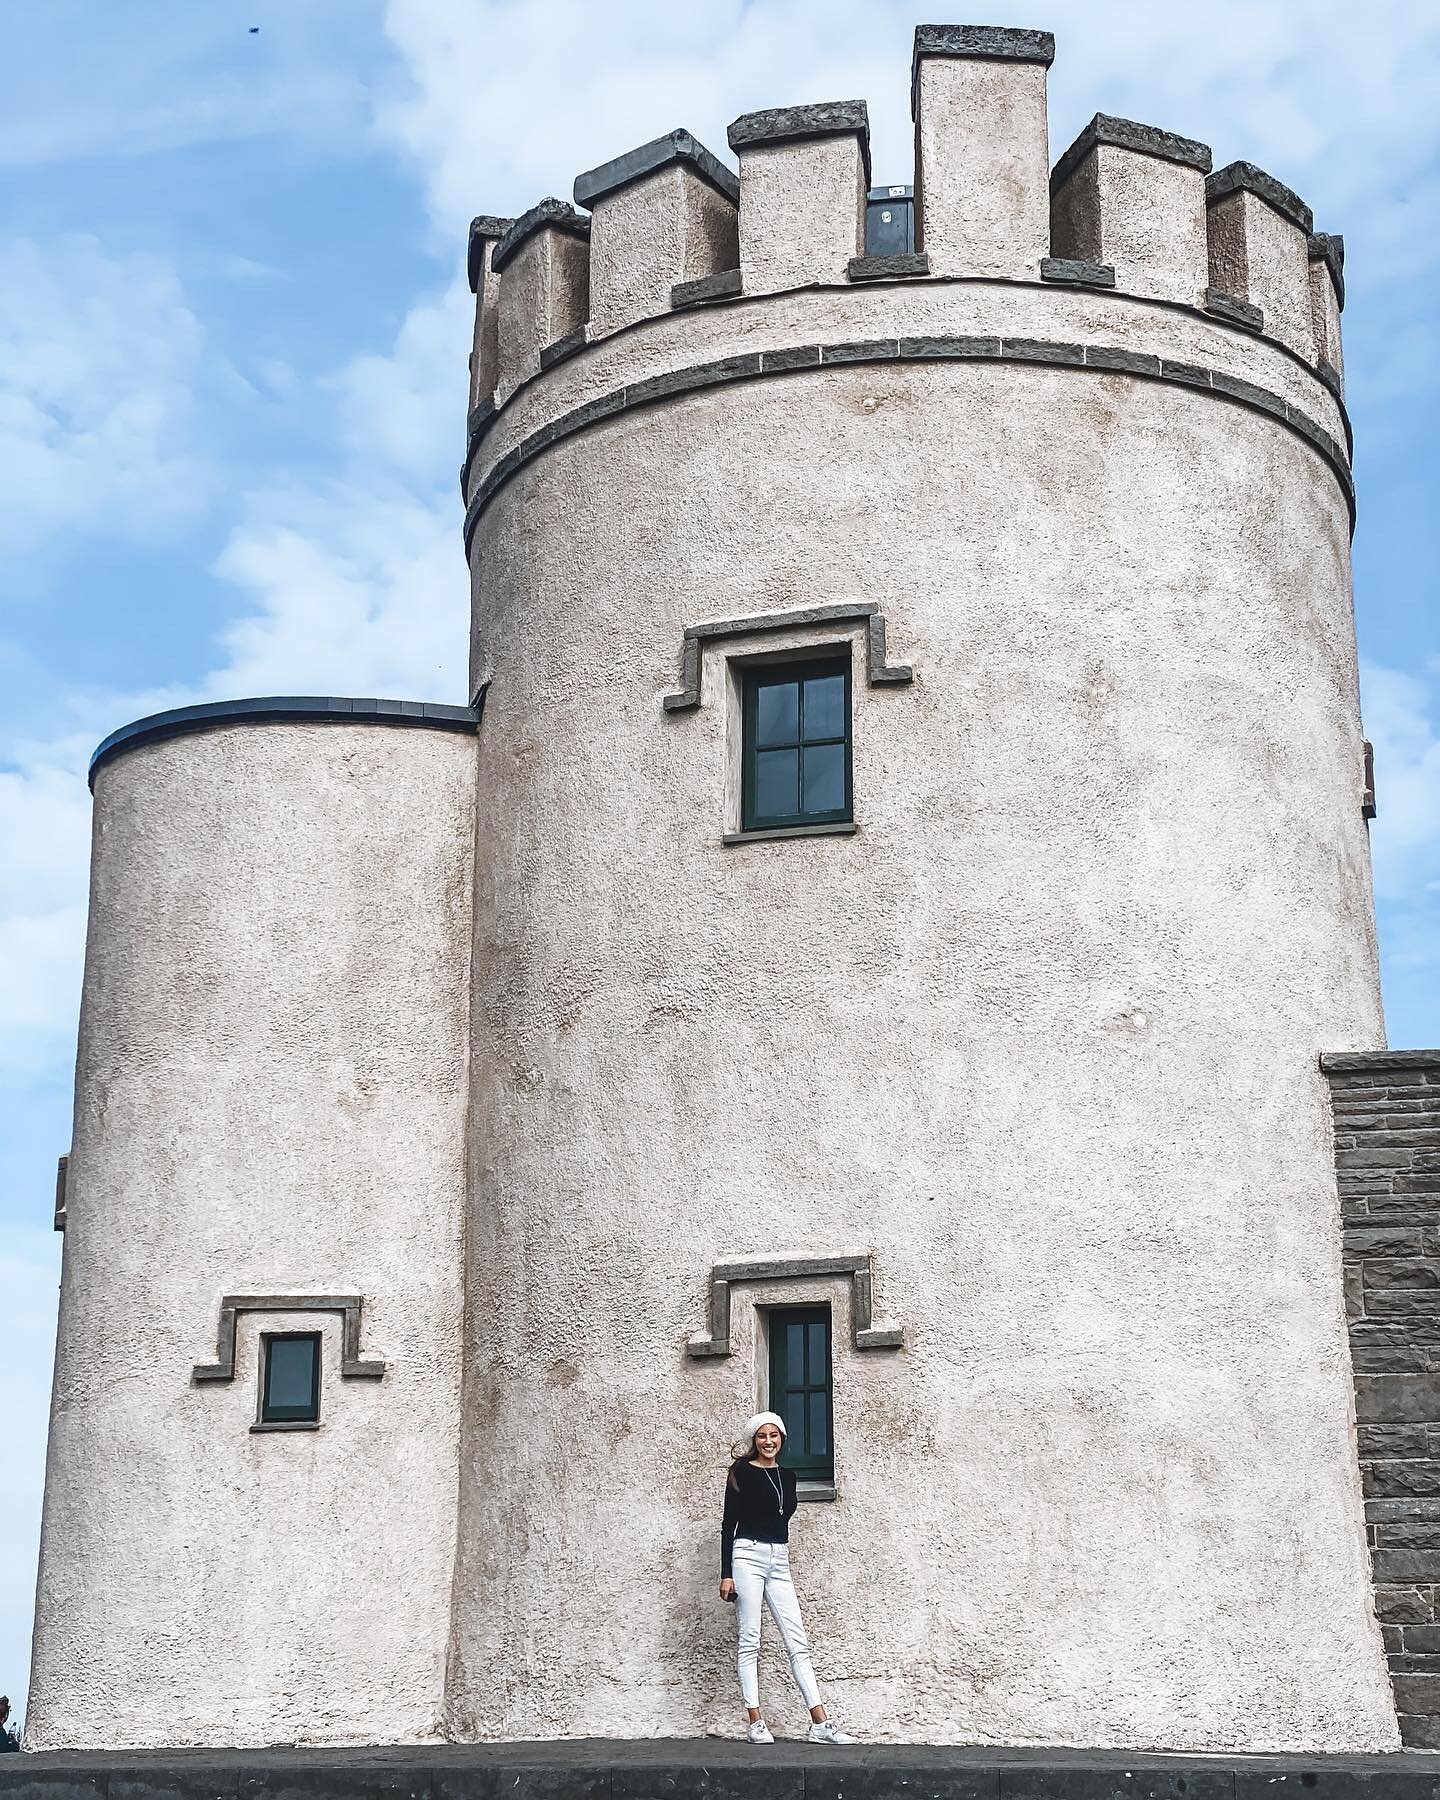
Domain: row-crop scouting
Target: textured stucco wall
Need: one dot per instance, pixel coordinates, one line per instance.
(646, 237)
(1042, 1034)
(270, 1098)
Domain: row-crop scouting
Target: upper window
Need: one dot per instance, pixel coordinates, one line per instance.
(290, 1378)
(796, 767)
(800, 1389)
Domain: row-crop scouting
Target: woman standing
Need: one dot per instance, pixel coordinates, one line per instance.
(755, 1572)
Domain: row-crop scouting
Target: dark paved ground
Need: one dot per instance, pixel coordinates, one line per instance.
(708, 1769)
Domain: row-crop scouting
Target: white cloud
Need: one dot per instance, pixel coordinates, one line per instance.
(1402, 718)
(99, 355)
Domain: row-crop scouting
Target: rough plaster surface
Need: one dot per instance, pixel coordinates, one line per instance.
(270, 1098)
(644, 238)
(1259, 255)
(1325, 317)
(917, 308)
(982, 166)
(1042, 1034)
(544, 296)
(485, 354)
(802, 211)
(1143, 215)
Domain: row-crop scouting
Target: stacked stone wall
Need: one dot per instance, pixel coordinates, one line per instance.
(1387, 1155)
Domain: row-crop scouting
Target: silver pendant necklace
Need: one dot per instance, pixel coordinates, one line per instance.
(779, 1487)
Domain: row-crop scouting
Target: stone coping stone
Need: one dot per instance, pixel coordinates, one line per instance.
(1244, 177)
(280, 709)
(557, 215)
(660, 153)
(707, 1769)
(484, 228)
(1329, 247)
(1233, 308)
(977, 43)
(1128, 134)
(1367, 1062)
(1076, 272)
(800, 124)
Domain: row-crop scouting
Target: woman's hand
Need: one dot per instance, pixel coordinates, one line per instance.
(727, 1589)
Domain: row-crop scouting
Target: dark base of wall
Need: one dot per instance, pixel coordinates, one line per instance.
(708, 1769)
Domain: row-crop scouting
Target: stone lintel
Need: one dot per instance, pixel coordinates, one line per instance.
(1245, 178)
(661, 153)
(484, 228)
(1128, 134)
(1329, 247)
(801, 124)
(1076, 272)
(550, 213)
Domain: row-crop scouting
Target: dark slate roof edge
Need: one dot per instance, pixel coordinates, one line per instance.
(1329, 247)
(484, 228)
(675, 147)
(1362, 1062)
(1129, 134)
(550, 211)
(280, 709)
(796, 124)
(1244, 177)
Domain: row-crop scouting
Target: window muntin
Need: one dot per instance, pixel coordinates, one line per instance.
(801, 1391)
(796, 737)
(290, 1378)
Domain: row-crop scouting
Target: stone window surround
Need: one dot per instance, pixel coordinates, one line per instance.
(349, 1306)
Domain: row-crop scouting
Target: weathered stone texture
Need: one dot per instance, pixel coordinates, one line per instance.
(1387, 1161)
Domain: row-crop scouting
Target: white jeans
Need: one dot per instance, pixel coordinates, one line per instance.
(761, 1573)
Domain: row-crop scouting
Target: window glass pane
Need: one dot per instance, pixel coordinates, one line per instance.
(819, 1434)
(794, 1356)
(818, 1356)
(777, 713)
(291, 1371)
(792, 1410)
(824, 778)
(825, 707)
(777, 783)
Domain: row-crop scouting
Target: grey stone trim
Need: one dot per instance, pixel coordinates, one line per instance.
(286, 1425)
(722, 286)
(1233, 308)
(1128, 134)
(1245, 178)
(484, 228)
(815, 1490)
(649, 159)
(1385, 1105)
(799, 359)
(879, 673)
(1330, 375)
(798, 124)
(867, 1332)
(838, 828)
(62, 1171)
(980, 43)
(888, 268)
(1075, 272)
(563, 348)
(1329, 247)
(349, 1307)
(279, 709)
(550, 213)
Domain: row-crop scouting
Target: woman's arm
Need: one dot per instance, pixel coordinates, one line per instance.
(792, 1492)
(728, 1522)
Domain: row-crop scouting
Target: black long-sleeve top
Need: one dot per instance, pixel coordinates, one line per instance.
(755, 1508)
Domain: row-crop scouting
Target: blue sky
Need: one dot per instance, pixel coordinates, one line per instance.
(233, 332)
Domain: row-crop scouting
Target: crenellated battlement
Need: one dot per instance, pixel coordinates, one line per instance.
(665, 234)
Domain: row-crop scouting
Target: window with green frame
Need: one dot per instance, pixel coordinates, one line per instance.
(800, 1389)
(796, 744)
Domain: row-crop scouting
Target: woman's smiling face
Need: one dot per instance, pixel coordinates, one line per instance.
(768, 1441)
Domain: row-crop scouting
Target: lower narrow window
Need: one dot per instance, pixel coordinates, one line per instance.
(796, 742)
(800, 1389)
(290, 1378)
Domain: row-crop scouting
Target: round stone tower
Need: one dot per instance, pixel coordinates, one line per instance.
(993, 1030)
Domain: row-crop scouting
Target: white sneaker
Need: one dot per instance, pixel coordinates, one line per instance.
(828, 1732)
(759, 1733)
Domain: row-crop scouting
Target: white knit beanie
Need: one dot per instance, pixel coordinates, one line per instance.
(753, 1424)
